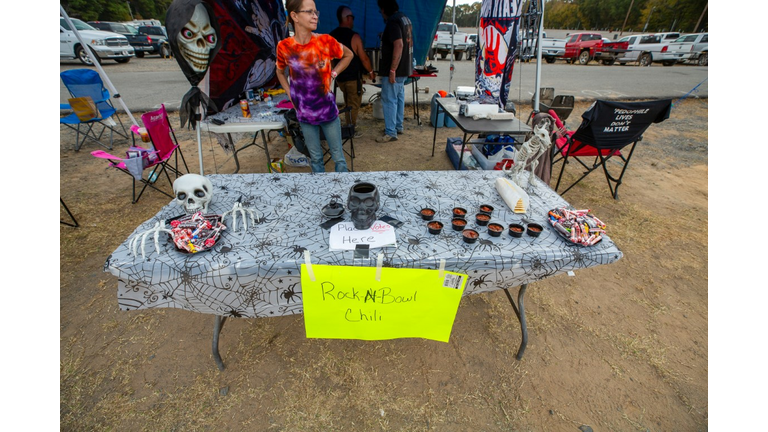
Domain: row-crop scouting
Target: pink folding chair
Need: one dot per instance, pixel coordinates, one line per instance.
(161, 159)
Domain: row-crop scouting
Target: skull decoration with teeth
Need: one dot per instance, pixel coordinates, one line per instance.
(193, 192)
(196, 39)
(363, 202)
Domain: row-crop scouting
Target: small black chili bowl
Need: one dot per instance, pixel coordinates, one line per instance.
(469, 235)
(435, 227)
(534, 229)
(494, 229)
(487, 209)
(516, 230)
(427, 213)
(459, 223)
(482, 219)
(459, 212)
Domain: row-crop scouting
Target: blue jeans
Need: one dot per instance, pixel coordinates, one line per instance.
(393, 105)
(332, 132)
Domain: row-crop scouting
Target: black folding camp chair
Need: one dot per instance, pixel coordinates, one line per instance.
(606, 129)
(347, 136)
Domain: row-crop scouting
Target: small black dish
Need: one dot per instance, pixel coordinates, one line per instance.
(534, 229)
(333, 209)
(470, 235)
(487, 209)
(516, 230)
(435, 227)
(459, 212)
(427, 213)
(482, 219)
(494, 229)
(459, 223)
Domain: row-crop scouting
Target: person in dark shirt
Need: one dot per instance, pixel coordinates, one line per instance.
(396, 65)
(350, 80)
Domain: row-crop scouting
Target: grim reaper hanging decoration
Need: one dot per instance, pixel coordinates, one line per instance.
(193, 33)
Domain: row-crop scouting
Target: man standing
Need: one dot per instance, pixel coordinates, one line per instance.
(350, 80)
(396, 65)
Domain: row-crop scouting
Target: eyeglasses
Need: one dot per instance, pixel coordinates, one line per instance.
(314, 12)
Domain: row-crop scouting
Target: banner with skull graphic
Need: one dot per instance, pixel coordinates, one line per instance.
(193, 33)
(249, 33)
(499, 23)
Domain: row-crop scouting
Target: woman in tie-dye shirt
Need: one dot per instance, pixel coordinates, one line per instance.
(308, 58)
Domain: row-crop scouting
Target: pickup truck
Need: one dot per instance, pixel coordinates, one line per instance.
(552, 49)
(141, 43)
(159, 38)
(585, 47)
(442, 41)
(104, 45)
(691, 48)
(648, 48)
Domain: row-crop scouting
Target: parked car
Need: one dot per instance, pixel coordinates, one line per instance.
(691, 48)
(472, 47)
(584, 47)
(648, 48)
(441, 44)
(159, 38)
(141, 44)
(610, 51)
(104, 45)
(552, 49)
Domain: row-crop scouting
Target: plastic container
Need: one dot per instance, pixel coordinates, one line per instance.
(470, 235)
(435, 227)
(427, 213)
(378, 110)
(482, 219)
(459, 224)
(436, 120)
(516, 230)
(534, 230)
(494, 229)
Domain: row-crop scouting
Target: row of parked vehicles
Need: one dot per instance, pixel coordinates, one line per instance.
(111, 40)
(667, 48)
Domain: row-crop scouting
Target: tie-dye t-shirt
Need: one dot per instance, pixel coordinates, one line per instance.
(310, 68)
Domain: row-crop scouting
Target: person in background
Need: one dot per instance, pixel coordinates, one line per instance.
(396, 65)
(350, 80)
(307, 56)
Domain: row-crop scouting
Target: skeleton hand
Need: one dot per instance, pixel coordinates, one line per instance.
(156, 230)
(243, 211)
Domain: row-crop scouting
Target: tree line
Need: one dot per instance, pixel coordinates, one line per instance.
(647, 16)
(112, 10)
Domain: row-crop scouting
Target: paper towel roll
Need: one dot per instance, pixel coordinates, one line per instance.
(511, 193)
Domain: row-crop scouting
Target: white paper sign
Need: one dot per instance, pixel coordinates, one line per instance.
(344, 236)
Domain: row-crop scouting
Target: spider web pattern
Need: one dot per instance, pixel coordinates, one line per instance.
(256, 272)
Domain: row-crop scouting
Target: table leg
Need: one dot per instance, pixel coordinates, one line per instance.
(266, 150)
(520, 312)
(218, 323)
(434, 135)
(461, 155)
(234, 153)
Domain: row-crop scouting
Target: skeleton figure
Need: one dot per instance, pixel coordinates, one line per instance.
(196, 40)
(532, 149)
(193, 193)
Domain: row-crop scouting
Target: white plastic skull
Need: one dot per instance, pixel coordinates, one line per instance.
(197, 39)
(193, 192)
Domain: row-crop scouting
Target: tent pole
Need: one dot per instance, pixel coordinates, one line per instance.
(205, 90)
(453, 22)
(536, 94)
(104, 77)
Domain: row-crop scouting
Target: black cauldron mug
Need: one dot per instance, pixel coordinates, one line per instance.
(362, 203)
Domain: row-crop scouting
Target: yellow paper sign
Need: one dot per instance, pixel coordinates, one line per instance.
(349, 303)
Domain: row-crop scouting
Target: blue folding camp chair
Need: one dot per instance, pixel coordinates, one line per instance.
(88, 83)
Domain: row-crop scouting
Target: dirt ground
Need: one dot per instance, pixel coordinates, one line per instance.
(618, 347)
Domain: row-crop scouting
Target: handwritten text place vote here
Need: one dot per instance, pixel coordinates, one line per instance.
(378, 296)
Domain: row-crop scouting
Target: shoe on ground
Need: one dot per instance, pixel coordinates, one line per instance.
(358, 133)
(386, 138)
(400, 132)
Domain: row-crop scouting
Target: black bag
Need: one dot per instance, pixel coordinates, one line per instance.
(294, 129)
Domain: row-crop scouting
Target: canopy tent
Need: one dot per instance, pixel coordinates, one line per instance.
(424, 15)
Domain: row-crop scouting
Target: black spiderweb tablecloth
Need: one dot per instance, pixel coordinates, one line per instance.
(256, 272)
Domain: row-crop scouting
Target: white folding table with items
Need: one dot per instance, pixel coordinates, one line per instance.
(255, 273)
